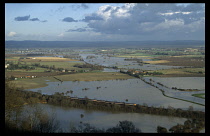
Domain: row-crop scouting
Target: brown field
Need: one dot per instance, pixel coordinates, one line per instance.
(46, 59)
(14, 55)
(181, 61)
(157, 61)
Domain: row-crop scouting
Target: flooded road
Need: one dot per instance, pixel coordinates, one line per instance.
(181, 83)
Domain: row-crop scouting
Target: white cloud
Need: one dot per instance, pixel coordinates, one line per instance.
(149, 19)
(61, 35)
(12, 34)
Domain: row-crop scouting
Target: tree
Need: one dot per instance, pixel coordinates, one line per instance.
(124, 127)
(81, 115)
(161, 129)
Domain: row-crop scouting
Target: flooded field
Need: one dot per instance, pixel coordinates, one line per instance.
(104, 60)
(99, 119)
(181, 83)
(135, 90)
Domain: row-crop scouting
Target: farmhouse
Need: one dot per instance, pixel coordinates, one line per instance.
(27, 76)
(130, 104)
(74, 98)
(119, 103)
(93, 100)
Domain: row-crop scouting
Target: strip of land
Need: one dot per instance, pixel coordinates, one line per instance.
(99, 76)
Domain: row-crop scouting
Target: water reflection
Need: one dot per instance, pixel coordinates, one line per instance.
(101, 119)
(135, 90)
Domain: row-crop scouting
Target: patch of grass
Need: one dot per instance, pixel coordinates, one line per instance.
(48, 59)
(98, 76)
(201, 95)
(183, 71)
(33, 83)
(183, 61)
(93, 76)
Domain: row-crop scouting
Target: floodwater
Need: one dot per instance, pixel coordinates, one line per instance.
(135, 90)
(121, 63)
(102, 119)
(181, 83)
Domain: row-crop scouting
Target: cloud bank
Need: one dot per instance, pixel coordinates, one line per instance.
(148, 19)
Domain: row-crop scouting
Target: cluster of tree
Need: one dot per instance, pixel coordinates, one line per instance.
(61, 100)
(73, 56)
(44, 66)
(35, 121)
(121, 127)
(91, 66)
(161, 53)
(190, 126)
(13, 66)
(36, 54)
(91, 57)
(134, 59)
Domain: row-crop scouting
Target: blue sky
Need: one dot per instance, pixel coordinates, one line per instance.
(104, 21)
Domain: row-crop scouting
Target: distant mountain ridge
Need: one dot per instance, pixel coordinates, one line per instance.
(108, 44)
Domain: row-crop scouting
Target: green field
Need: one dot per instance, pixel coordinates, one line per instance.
(183, 71)
(97, 76)
(201, 95)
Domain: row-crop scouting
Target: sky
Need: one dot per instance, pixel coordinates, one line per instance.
(104, 21)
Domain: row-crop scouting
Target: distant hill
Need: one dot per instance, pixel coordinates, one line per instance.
(104, 44)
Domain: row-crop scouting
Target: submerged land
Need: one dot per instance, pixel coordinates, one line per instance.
(30, 69)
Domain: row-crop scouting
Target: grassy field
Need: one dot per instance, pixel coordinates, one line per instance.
(93, 76)
(23, 74)
(38, 59)
(135, 55)
(201, 95)
(64, 63)
(183, 61)
(157, 61)
(183, 72)
(41, 81)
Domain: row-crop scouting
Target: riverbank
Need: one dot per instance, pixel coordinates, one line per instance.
(66, 101)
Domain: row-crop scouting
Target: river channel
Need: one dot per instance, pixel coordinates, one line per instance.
(101, 119)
